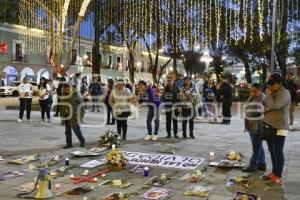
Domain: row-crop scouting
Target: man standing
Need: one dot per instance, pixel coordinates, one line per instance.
(95, 90)
(72, 112)
(151, 96)
(292, 88)
(169, 97)
(225, 92)
(26, 91)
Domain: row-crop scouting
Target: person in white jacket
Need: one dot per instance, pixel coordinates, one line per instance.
(26, 91)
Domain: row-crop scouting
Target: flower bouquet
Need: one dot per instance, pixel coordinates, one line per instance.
(109, 138)
(116, 160)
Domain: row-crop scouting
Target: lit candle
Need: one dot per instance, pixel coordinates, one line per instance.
(103, 175)
(57, 187)
(113, 147)
(72, 176)
(211, 155)
(95, 179)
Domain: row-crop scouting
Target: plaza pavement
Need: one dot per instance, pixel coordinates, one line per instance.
(21, 139)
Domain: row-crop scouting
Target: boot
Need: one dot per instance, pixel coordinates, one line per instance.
(176, 136)
(169, 135)
(184, 136)
(192, 135)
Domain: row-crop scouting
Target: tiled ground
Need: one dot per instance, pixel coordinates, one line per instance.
(47, 139)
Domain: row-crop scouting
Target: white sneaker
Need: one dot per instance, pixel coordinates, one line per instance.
(154, 138)
(149, 137)
(29, 120)
(19, 120)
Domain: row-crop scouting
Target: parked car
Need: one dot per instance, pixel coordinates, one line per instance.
(13, 89)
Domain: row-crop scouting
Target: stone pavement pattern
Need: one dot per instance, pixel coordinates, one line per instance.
(47, 139)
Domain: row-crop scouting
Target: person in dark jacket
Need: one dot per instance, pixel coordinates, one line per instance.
(84, 90)
(95, 90)
(59, 89)
(292, 88)
(110, 87)
(169, 98)
(225, 95)
(150, 95)
(70, 116)
(254, 111)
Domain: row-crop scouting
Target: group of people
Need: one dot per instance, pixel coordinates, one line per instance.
(269, 113)
(269, 109)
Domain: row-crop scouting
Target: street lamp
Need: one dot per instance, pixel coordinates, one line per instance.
(206, 58)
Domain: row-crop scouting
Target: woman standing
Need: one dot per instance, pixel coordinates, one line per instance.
(26, 91)
(110, 87)
(277, 105)
(120, 100)
(44, 94)
(84, 90)
(253, 124)
(188, 97)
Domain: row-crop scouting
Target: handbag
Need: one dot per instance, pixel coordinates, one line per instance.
(267, 132)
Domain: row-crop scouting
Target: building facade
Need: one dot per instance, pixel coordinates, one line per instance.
(16, 63)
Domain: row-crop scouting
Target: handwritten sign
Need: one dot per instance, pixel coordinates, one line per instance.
(162, 160)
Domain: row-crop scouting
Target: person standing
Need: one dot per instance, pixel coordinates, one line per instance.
(59, 92)
(95, 90)
(44, 101)
(254, 111)
(199, 88)
(151, 96)
(292, 88)
(209, 97)
(109, 111)
(225, 95)
(120, 100)
(26, 92)
(169, 98)
(84, 91)
(277, 103)
(72, 112)
(188, 97)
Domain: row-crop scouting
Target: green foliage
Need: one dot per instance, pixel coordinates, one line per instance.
(9, 11)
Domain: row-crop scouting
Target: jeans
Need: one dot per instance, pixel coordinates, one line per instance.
(188, 114)
(25, 103)
(169, 119)
(258, 153)
(76, 130)
(45, 108)
(95, 100)
(150, 116)
(122, 124)
(275, 145)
